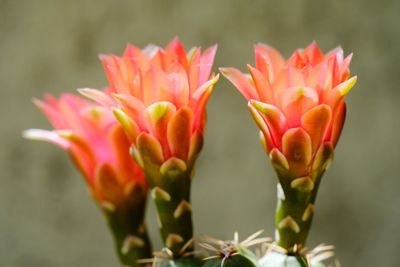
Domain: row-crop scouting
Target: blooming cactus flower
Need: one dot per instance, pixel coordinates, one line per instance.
(297, 103)
(299, 106)
(159, 96)
(99, 148)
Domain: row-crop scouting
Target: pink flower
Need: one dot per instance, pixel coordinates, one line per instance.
(159, 96)
(297, 103)
(97, 145)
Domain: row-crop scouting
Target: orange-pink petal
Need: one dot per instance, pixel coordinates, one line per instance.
(296, 146)
(179, 132)
(338, 123)
(241, 81)
(274, 119)
(316, 122)
(262, 85)
(106, 183)
(272, 56)
(269, 141)
(150, 151)
(157, 118)
(206, 63)
(199, 101)
(296, 101)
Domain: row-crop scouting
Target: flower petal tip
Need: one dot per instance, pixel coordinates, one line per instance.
(214, 79)
(159, 109)
(124, 119)
(345, 87)
(33, 134)
(223, 70)
(264, 108)
(102, 57)
(96, 96)
(227, 71)
(37, 102)
(44, 135)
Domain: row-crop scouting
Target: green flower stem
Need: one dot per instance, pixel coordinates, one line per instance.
(294, 213)
(171, 194)
(130, 235)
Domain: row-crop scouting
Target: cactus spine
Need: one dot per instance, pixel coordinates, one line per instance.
(233, 253)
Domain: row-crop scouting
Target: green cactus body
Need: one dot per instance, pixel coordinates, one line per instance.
(130, 234)
(237, 260)
(181, 262)
(276, 259)
(233, 253)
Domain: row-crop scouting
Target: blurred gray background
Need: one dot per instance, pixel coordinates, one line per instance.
(46, 216)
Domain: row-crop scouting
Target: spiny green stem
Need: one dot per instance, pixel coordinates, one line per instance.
(171, 195)
(293, 219)
(130, 234)
(294, 213)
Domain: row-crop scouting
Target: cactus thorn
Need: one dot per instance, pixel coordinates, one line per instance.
(317, 255)
(165, 254)
(184, 206)
(159, 256)
(158, 194)
(308, 212)
(108, 206)
(186, 246)
(230, 247)
(290, 223)
(303, 184)
(173, 239)
(130, 242)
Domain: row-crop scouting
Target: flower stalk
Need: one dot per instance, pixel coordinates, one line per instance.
(293, 218)
(170, 191)
(126, 223)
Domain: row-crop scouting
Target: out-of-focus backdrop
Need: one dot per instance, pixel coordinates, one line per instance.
(46, 216)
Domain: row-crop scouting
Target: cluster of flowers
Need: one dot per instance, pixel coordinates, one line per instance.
(144, 131)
